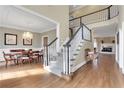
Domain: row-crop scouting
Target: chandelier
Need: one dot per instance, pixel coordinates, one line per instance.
(27, 35)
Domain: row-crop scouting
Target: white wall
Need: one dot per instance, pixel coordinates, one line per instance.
(117, 48)
(121, 37)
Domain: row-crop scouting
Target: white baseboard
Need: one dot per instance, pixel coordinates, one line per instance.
(78, 66)
(73, 69)
(123, 71)
(49, 70)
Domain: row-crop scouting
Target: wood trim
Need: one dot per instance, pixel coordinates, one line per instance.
(88, 30)
(52, 41)
(42, 39)
(73, 36)
(68, 61)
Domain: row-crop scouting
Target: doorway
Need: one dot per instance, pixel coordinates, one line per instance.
(44, 41)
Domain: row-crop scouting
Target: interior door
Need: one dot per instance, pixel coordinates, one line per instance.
(44, 44)
(45, 41)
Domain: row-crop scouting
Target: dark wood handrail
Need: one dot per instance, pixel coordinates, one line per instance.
(86, 26)
(52, 41)
(90, 32)
(67, 44)
(48, 48)
(92, 13)
(73, 36)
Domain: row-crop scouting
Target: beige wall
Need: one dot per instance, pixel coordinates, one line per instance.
(88, 9)
(51, 35)
(81, 57)
(58, 13)
(105, 39)
(36, 42)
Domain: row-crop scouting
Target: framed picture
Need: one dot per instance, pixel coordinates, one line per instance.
(27, 41)
(10, 39)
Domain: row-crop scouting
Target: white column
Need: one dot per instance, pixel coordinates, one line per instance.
(117, 49)
(121, 37)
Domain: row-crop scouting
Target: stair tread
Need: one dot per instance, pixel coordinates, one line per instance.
(72, 59)
(75, 54)
(79, 45)
(78, 49)
(82, 42)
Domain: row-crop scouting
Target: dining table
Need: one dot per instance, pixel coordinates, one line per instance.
(18, 55)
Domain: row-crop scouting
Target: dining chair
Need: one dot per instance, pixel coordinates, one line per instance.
(33, 57)
(24, 57)
(39, 54)
(9, 58)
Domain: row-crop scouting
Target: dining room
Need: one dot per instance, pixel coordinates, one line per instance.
(17, 55)
(22, 42)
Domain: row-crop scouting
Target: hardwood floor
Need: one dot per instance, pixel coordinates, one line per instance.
(101, 73)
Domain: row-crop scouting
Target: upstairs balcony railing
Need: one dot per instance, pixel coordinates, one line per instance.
(94, 17)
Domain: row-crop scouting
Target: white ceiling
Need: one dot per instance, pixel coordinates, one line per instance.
(13, 17)
(105, 31)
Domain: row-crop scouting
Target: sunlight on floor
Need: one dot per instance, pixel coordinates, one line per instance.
(23, 73)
